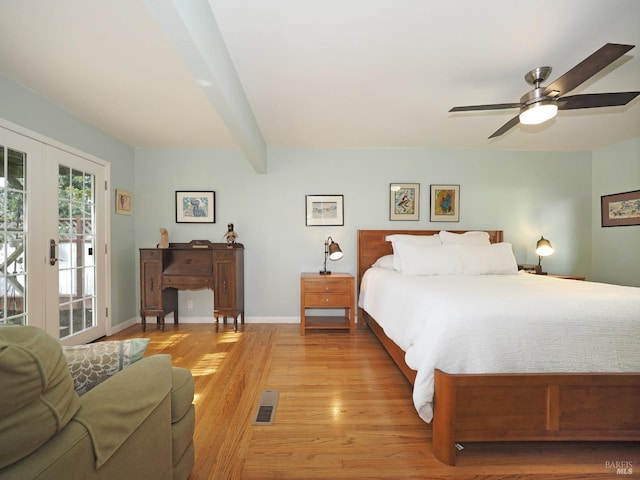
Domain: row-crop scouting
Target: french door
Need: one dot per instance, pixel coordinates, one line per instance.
(53, 269)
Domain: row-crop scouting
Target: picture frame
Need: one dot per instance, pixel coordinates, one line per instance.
(445, 203)
(195, 206)
(620, 209)
(124, 202)
(324, 210)
(404, 201)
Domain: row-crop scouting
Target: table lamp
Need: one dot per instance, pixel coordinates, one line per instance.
(331, 251)
(543, 249)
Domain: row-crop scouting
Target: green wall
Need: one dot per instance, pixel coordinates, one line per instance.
(527, 194)
(616, 250)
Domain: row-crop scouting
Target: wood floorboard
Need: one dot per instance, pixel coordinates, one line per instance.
(344, 412)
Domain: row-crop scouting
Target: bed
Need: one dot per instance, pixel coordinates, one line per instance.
(522, 405)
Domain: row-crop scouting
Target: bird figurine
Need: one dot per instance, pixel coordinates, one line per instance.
(164, 238)
(230, 236)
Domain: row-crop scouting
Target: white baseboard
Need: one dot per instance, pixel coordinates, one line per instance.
(152, 320)
(184, 319)
(121, 326)
(272, 320)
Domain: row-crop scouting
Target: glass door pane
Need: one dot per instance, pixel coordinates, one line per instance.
(13, 237)
(76, 251)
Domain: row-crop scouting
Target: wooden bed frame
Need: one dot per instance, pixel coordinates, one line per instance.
(513, 407)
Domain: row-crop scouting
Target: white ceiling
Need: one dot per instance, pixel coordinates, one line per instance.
(336, 73)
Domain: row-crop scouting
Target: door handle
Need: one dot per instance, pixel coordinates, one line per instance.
(52, 252)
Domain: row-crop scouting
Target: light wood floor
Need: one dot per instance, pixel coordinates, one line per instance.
(344, 411)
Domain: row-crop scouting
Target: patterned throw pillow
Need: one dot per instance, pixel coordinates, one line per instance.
(92, 364)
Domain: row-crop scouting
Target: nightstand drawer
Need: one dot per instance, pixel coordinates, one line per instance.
(327, 300)
(333, 286)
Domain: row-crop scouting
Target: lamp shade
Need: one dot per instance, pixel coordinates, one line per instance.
(543, 247)
(334, 251)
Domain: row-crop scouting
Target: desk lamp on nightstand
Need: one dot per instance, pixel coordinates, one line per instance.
(543, 249)
(331, 251)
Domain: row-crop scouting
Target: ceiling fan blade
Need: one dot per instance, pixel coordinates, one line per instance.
(587, 68)
(593, 100)
(495, 106)
(506, 127)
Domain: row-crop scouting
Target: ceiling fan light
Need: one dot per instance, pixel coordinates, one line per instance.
(538, 112)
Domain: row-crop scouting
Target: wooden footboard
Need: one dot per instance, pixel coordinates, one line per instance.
(528, 407)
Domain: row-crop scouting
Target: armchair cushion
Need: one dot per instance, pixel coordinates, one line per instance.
(182, 421)
(42, 399)
(182, 391)
(110, 417)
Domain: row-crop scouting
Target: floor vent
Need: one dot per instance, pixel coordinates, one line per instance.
(266, 411)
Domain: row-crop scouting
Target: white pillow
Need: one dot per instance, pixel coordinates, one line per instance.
(494, 259)
(467, 238)
(385, 262)
(424, 240)
(428, 260)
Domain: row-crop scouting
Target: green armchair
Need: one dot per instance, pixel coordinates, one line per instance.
(137, 424)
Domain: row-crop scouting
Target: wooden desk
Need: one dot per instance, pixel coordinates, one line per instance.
(197, 265)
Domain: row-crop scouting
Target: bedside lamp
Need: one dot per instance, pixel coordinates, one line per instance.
(332, 251)
(543, 249)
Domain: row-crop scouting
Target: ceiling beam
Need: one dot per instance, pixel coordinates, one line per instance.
(191, 28)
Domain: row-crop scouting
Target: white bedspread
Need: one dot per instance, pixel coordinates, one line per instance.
(503, 324)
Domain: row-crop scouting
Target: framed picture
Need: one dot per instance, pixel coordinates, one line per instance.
(620, 209)
(404, 201)
(445, 203)
(195, 207)
(124, 202)
(324, 210)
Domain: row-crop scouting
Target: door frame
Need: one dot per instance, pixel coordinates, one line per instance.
(46, 141)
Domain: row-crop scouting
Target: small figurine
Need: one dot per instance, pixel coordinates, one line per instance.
(164, 238)
(230, 236)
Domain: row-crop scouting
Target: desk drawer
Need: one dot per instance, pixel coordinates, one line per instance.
(226, 255)
(327, 300)
(150, 254)
(187, 282)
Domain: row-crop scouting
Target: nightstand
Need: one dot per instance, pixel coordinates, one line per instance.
(568, 277)
(333, 291)
(555, 275)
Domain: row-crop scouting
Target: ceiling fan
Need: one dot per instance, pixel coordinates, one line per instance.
(542, 103)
